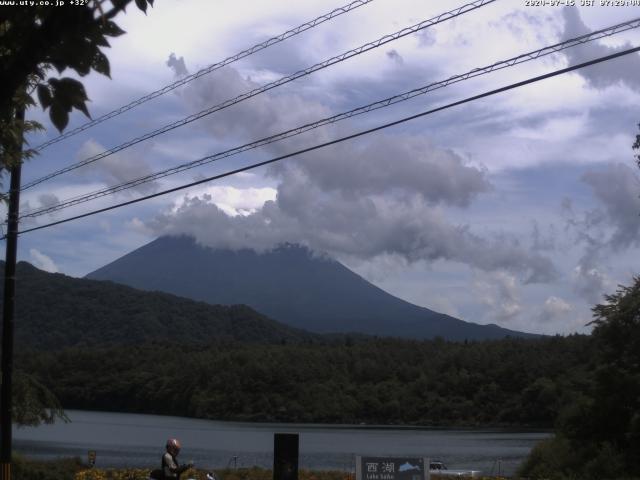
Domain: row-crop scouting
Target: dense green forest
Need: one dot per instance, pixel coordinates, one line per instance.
(56, 311)
(375, 381)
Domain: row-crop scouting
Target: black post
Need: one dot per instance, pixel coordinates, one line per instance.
(8, 309)
(285, 456)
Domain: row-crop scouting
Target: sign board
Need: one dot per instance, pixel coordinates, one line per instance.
(392, 468)
(92, 457)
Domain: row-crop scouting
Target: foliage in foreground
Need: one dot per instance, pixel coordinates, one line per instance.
(598, 433)
(64, 469)
(33, 403)
(254, 473)
(60, 39)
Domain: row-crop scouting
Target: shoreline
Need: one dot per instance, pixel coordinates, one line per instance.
(506, 428)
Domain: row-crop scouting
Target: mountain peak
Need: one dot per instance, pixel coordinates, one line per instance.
(291, 284)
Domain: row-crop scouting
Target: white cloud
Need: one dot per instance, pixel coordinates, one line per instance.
(42, 261)
(231, 200)
(499, 292)
(136, 225)
(553, 308)
(590, 283)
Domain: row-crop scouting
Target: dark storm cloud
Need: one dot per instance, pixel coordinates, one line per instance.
(395, 56)
(381, 163)
(177, 65)
(117, 168)
(48, 200)
(386, 194)
(623, 70)
(358, 226)
(617, 187)
(614, 226)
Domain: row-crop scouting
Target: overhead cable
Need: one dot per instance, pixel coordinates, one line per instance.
(525, 57)
(341, 139)
(227, 61)
(269, 86)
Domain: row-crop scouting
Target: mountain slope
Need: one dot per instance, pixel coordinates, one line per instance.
(55, 311)
(288, 284)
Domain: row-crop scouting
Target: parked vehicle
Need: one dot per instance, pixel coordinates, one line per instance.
(436, 467)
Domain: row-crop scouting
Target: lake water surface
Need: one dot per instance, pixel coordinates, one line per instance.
(122, 439)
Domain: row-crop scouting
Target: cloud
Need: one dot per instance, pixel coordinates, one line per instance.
(117, 168)
(617, 187)
(361, 227)
(177, 65)
(590, 283)
(48, 200)
(615, 72)
(263, 115)
(542, 241)
(426, 37)
(554, 308)
(42, 261)
(388, 163)
(137, 226)
(383, 162)
(395, 56)
(587, 279)
(386, 195)
(610, 228)
(235, 201)
(499, 292)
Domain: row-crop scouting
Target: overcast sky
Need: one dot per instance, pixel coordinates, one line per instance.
(520, 209)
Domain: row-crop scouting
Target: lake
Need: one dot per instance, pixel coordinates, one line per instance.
(122, 439)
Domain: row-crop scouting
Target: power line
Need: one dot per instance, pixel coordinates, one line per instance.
(256, 91)
(234, 58)
(342, 139)
(606, 32)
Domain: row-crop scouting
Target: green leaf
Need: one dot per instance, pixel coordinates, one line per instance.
(59, 116)
(69, 90)
(100, 63)
(59, 65)
(112, 29)
(102, 42)
(44, 95)
(68, 93)
(83, 108)
(142, 5)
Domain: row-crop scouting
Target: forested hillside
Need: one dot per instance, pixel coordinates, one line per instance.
(376, 381)
(56, 311)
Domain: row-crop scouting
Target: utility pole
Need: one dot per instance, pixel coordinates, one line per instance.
(8, 310)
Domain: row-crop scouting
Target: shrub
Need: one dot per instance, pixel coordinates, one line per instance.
(65, 469)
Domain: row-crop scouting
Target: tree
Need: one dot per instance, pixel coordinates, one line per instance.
(616, 396)
(34, 41)
(33, 402)
(598, 434)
